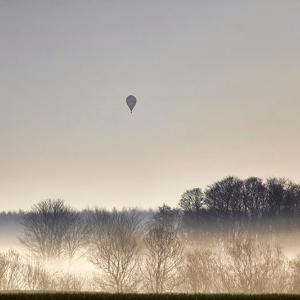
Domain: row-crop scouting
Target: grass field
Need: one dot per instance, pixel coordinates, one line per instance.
(100, 296)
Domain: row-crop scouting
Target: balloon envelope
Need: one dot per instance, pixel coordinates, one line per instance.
(131, 102)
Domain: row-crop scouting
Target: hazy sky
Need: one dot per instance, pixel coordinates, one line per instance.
(217, 83)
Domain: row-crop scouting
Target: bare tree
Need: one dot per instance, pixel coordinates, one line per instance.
(253, 267)
(114, 250)
(200, 272)
(67, 282)
(295, 275)
(17, 274)
(76, 236)
(3, 268)
(52, 229)
(11, 271)
(163, 257)
(36, 277)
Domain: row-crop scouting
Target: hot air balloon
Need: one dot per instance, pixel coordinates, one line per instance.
(131, 102)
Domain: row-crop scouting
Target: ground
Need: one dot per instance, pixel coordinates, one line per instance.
(92, 296)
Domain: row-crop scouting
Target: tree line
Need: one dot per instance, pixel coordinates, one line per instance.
(210, 243)
(251, 198)
(271, 205)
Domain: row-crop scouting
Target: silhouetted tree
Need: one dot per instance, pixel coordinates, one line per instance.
(192, 200)
(291, 201)
(196, 220)
(225, 197)
(275, 192)
(254, 197)
(167, 215)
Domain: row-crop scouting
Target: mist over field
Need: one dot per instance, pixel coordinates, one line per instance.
(236, 236)
(149, 147)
